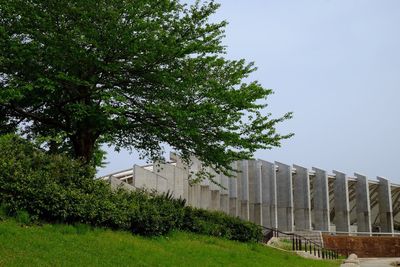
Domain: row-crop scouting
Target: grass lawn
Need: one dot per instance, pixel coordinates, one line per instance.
(63, 245)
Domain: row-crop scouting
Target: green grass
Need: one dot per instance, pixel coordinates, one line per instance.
(64, 245)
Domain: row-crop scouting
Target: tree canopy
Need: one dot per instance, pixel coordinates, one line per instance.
(134, 74)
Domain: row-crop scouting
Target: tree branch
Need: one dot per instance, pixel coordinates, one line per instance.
(28, 114)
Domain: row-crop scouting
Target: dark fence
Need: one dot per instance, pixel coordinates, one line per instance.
(301, 243)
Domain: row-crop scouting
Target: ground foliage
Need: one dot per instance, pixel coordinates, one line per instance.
(135, 74)
(36, 186)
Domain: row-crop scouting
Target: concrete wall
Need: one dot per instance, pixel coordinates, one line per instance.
(364, 247)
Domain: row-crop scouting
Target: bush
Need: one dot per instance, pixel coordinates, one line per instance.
(54, 188)
(220, 224)
(157, 215)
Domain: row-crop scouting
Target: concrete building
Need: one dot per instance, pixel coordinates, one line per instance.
(276, 195)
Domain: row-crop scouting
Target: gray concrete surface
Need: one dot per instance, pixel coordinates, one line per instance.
(321, 200)
(341, 202)
(378, 262)
(363, 206)
(284, 197)
(301, 198)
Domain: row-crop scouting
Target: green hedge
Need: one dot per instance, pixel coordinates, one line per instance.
(55, 188)
(217, 223)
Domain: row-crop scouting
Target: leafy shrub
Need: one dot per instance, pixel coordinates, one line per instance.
(55, 188)
(157, 215)
(220, 224)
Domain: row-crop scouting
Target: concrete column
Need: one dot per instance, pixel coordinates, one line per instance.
(215, 200)
(243, 190)
(254, 176)
(180, 182)
(194, 190)
(363, 206)
(180, 164)
(224, 194)
(233, 193)
(217, 179)
(269, 202)
(224, 203)
(186, 185)
(301, 199)
(173, 178)
(321, 200)
(205, 197)
(194, 195)
(215, 189)
(385, 206)
(284, 197)
(342, 206)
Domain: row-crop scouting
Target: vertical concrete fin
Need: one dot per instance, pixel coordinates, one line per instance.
(225, 185)
(243, 183)
(233, 192)
(269, 202)
(254, 185)
(233, 188)
(217, 180)
(341, 203)
(385, 206)
(301, 198)
(167, 171)
(321, 201)
(284, 197)
(363, 206)
(205, 197)
(224, 194)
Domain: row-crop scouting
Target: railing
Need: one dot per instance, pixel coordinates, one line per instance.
(301, 243)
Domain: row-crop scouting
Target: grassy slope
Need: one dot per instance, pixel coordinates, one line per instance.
(62, 245)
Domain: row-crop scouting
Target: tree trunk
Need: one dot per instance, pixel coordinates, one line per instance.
(84, 143)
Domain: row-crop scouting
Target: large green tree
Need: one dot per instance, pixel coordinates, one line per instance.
(133, 73)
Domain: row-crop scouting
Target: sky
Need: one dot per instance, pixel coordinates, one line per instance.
(336, 65)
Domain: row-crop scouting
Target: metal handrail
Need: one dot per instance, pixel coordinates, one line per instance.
(302, 243)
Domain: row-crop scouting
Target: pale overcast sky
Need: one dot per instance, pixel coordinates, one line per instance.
(336, 65)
